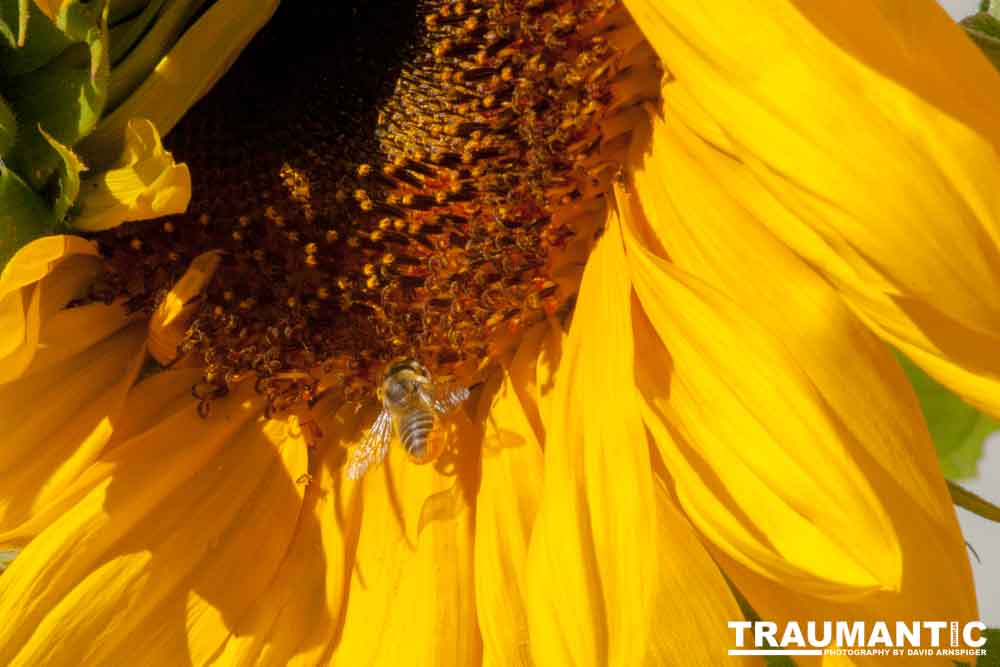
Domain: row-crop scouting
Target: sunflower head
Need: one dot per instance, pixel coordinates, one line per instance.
(629, 267)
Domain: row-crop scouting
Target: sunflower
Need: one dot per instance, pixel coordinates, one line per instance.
(663, 244)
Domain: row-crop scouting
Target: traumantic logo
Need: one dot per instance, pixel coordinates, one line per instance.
(881, 638)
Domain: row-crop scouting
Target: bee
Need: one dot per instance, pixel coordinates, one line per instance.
(411, 405)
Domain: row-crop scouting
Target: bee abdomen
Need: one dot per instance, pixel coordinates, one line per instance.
(413, 431)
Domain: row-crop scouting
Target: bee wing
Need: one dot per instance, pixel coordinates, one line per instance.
(445, 398)
(372, 448)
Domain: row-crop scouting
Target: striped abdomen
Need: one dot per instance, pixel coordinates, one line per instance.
(414, 429)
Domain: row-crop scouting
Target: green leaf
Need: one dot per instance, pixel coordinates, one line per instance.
(957, 428)
(984, 29)
(8, 128)
(65, 97)
(125, 35)
(45, 43)
(992, 646)
(134, 69)
(67, 178)
(23, 214)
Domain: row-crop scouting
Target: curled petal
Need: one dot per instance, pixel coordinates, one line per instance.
(172, 317)
(145, 184)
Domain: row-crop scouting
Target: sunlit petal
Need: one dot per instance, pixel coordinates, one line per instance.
(411, 583)
(590, 584)
(730, 417)
(868, 130)
(681, 183)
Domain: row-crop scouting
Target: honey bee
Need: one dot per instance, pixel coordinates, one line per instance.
(411, 405)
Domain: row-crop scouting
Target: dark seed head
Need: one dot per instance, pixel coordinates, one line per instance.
(382, 179)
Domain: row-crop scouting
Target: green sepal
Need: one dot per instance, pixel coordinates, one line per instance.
(24, 216)
(119, 10)
(127, 34)
(984, 29)
(66, 181)
(8, 128)
(957, 428)
(976, 504)
(66, 96)
(45, 43)
(13, 23)
(140, 62)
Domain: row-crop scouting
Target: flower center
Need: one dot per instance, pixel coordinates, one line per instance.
(383, 180)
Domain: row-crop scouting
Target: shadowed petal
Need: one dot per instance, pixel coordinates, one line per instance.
(298, 619)
(506, 506)
(161, 546)
(693, 603)
(190, 69)
(64, 374)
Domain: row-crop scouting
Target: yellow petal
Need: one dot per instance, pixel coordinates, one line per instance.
(509, 493)
(869, 133)
(144, 184)
(590, 582)
(202, 55)
(935, 585)
(406, 583)
(173, 316)
(681, 183)
(693, 602)
(37, 282)
(63, 376)
(173, 535)
(57, 422)
(299, 618)
(730, 417)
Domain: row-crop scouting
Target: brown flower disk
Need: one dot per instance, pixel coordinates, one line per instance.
(384, 180)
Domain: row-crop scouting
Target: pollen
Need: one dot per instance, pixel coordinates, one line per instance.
(400, 184)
